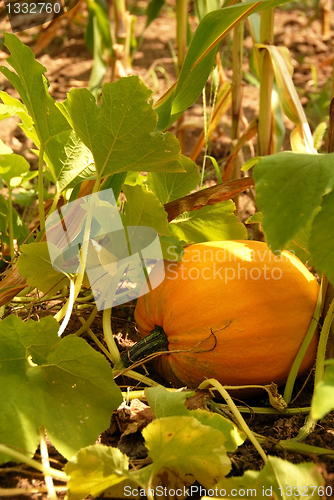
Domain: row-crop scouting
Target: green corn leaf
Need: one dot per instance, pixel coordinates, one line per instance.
(200, 58)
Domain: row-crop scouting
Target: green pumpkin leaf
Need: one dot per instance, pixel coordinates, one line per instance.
(321, 242)
(115, 183)
(12, 168)
(74, 158)
(172, 248)
(233, 437)
(278, 479)
(300, 243)
(323, 397)
(35, 265)
(32, 87)
(167, 404)
(13, 107)
(255, 218)
(144, 209)
(121, 133)
(28, 81)
(4, 150)
(6, 111)
(63, 384)
(65, 155)
(289, 188)
(210, 223)
(170, 186)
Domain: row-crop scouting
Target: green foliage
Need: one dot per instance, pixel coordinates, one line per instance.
(20, 230)
(169, 404)
(201, 225)
(278, 479)
(323, 397)
(170, 186)
(64, 385)
(144, 209)
(124, 139)
(322, 239)
(12, 169)
(50, 128)
(183, 445)
(200, 58)
(95, 469)
(35, 265)
(292, 190)
(99, 41)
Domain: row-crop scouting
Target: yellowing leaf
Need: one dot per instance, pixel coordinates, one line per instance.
(189, 446)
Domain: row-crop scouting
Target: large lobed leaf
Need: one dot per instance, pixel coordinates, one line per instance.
(63, 384)
(42, 121)
(170, 404)
(295, 193)
(120, 133)
(184, 445)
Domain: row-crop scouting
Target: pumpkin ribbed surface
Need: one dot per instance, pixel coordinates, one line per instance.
(236, 312)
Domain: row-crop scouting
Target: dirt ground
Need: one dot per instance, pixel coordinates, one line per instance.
(68, 64)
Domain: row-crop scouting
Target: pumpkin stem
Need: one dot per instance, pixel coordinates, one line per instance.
(156, 341)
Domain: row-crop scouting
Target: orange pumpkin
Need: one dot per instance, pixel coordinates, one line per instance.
(233, 311)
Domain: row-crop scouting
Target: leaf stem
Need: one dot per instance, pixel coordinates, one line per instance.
(86, 324)
(45, 461)
(137, 376)
(11, 229)
(22, 458)
(54, 203)
(108, 335)
(67, 309)
(319, 370)
(321, 355)
(236, 414)
(305, 449)
(268, 411)
(97, 341)
(41, 188)
(302, 350)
